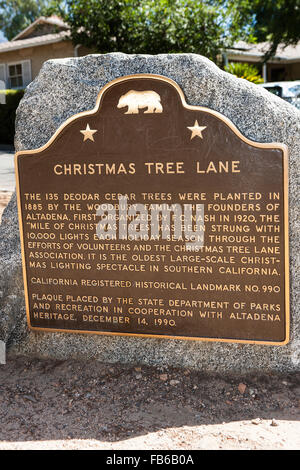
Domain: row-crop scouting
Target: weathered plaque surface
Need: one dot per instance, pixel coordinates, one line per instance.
(147, 216)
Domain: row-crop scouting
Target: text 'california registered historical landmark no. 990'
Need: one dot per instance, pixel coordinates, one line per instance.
(147, 216)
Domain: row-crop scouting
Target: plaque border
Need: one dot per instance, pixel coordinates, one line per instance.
(232, 126)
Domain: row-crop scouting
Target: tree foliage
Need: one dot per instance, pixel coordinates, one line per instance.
(205, 27)
(275, 21)
(149, 26)
(163, 26)
(16, 15)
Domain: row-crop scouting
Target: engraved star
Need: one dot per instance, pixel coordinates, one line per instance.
(197, 130)
(88, 133)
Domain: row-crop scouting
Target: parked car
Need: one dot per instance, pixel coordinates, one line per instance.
(283, 89)
(288, 91)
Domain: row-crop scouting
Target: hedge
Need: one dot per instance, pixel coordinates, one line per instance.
(8, 115)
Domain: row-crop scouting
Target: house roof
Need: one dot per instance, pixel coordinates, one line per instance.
(51, 20)
(32, 42)
(283, 53)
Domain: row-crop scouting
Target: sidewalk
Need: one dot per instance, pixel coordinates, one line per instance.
(7, 170)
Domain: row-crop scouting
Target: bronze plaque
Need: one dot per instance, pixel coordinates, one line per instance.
(147, 216)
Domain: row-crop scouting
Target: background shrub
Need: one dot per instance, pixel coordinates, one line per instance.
(244, 70)
(8, 115)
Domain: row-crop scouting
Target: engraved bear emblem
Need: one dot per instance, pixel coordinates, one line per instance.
(136, 100)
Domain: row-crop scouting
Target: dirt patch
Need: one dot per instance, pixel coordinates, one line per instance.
(47, 404)
(4, 200)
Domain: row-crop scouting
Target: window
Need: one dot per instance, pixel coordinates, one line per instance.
(276, 90)
(15, 76)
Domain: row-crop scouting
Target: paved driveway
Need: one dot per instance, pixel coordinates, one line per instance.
(7, 171)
